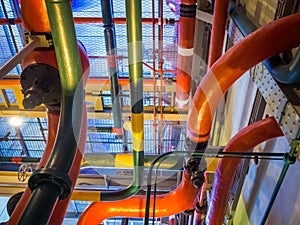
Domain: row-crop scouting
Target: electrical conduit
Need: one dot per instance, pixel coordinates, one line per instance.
(245, 140)
(65, 148)
(187, 22)
(268, 40)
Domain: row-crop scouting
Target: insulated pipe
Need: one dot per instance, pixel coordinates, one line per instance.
(166, 205)
(218, 31)
(134, 33)
(268, 40)
(245, 140)
(55, 183)
(282, 72)
(187, 22)
(112, 63)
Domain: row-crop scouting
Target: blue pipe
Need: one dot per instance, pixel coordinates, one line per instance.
(282, 72)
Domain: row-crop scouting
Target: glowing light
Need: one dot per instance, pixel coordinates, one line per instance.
(15, 121)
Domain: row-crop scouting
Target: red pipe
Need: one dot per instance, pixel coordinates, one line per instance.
(268, 40)
(166, 205)
(245, 140)
(185, 55)
(218, 31)
(53, 118)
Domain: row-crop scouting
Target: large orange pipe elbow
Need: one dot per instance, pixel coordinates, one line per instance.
(182, 198)
(268, 40)
(187, 22)
(34, 16)
(245, 140)
(218, 31)
(53, 118)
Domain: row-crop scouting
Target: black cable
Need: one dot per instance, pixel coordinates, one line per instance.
(219, 154)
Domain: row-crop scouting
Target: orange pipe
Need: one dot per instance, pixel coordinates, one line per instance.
(245, 140)
(34, 16)
(166, 205)
(53, 118)
(185, 56)
(268, 40)
(218, 31)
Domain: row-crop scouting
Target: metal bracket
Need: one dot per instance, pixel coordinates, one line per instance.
(44, 39)
(296, 144)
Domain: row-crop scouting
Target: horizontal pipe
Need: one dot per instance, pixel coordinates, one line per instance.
(87, 20)
(268, 40)
(245, 140)
(134, 206)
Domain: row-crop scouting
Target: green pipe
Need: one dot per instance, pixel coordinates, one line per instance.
(69, 64)
(134, 40)
(52, 183)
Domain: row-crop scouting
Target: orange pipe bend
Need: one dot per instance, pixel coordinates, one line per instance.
(166, 205)
(53, 118)
(218, 31)
(35, 16)
(268, 40)
(245, 140)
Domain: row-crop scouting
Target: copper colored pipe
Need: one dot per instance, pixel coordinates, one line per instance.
(166, 205)
(184, 64)
(245, 140)
(268, 40)
(218, 31)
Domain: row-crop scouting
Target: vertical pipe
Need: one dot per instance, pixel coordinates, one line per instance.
(154, 75)
(218, 31)
(55, 174)
(160, 71)
(134, 39)
(187, 22)
(111, 51)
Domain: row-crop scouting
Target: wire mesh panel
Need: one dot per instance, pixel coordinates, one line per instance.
(11, 40)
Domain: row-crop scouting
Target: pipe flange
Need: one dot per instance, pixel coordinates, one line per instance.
(192, 165)
(62, 180)
(198, 178)
(201, 209)
(41, 84)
